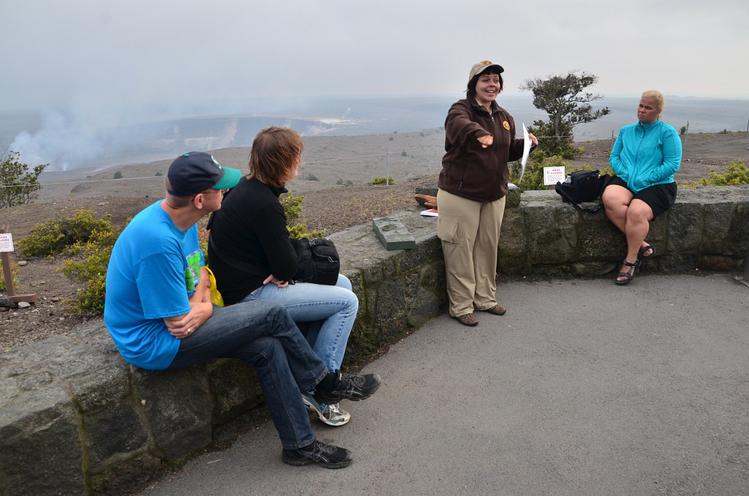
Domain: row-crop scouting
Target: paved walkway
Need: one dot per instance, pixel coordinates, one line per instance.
(583, 388)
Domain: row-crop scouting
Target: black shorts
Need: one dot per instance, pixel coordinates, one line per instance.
(659, 198)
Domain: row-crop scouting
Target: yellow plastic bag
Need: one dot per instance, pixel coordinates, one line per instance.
(216, 297)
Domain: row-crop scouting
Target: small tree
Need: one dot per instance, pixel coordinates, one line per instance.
(17, 184)
(567, 105)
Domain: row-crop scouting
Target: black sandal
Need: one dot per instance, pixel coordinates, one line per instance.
(625, 277)
(646, 251)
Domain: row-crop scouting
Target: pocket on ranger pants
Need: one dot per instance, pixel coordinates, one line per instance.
(448, 229)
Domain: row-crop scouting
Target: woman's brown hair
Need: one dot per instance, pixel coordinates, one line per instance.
(274, 152)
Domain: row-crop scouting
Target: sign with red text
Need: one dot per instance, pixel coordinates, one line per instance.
(553, 175)
(6, 243)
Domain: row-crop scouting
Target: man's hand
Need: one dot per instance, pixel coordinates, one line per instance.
(272, 279)
(185, 325)
(201, 310)
(533, 139)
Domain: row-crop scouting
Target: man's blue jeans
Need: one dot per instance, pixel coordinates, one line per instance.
(263, 335)
(335, 306)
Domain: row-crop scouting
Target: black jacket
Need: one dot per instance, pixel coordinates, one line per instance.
(468, 170)
(249, 240)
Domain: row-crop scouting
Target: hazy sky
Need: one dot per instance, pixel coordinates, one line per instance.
(121, 55)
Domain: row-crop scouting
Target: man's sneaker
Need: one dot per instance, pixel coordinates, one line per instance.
(331, 415)
(325, 455)
(348, 387)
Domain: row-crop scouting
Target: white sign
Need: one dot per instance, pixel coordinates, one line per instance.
(6, 243)
(526, 151)
(552, 175)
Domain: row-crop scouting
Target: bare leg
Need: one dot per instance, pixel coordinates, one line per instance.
(616, 200)
(632, 217)
(639, 215)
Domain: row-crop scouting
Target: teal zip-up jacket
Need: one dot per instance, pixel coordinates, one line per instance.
(646, 154)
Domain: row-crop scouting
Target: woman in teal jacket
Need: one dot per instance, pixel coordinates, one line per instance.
(645, 158)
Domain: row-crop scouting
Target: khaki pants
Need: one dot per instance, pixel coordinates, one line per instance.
(469, 231)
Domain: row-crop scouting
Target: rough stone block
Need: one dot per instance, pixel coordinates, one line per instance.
(513, 198)
(552, 233)
(512, 238)
(588, 269)
(409, 282)
(717, 227)
(685, 226)
(739, 232)
(178, 406)
(658, 232)
(114, 431)
(102, 387)
(390, 308)
(235, 387)
(121, 476)
(393, 234)
(718, 262)
(425, 251)
(600, 240)
(40, 451)
(426, 305)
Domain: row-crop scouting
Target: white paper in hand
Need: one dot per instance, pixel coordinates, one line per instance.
(526, 151)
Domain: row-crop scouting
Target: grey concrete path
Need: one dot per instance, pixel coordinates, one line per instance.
(583, 388)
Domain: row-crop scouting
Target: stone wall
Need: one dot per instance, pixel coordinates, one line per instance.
(75, 419)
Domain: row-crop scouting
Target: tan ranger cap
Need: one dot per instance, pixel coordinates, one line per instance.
(482, 66)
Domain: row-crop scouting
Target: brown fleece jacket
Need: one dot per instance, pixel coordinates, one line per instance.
(468, 170)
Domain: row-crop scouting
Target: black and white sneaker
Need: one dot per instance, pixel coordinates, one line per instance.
(347, 387)
(325, 455)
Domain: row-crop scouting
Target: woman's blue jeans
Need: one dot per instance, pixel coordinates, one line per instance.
(335, 306)
(263, 335)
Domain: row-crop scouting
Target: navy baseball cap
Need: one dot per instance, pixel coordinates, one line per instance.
(194, 172)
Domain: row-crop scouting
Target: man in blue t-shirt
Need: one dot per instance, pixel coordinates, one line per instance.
(159, 313)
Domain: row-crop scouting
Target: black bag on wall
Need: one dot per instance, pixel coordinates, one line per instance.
(582, 186)
(318, 261)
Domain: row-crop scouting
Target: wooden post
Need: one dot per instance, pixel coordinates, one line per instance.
(8, 276)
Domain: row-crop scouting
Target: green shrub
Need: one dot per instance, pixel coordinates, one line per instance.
(117, 175)
(90, 267)
(345, 183)
(311, 177)
(292, 206)
(735, 173)
(382, 180)
(54, 236)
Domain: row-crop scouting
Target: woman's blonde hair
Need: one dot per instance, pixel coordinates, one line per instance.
(274, 152)
(657, 96)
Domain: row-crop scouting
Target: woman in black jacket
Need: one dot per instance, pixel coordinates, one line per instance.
(252, 256)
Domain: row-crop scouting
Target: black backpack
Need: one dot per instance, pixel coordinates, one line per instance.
(318, 261)
(582, 186)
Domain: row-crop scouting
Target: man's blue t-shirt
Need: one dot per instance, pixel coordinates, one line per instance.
(153, 269)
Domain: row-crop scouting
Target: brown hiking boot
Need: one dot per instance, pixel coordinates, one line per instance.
(468, 319)
(496, 310)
